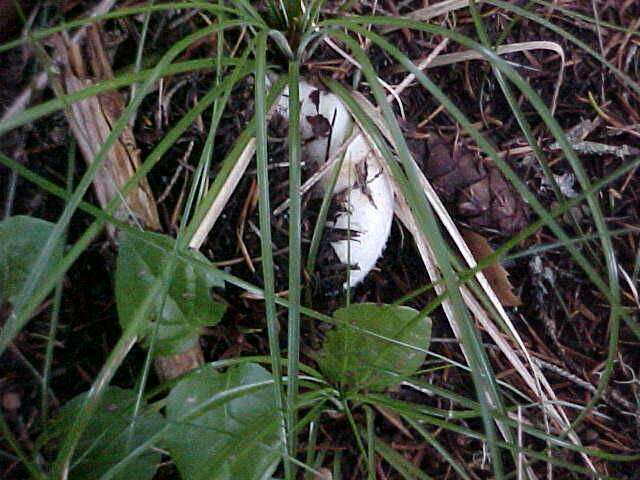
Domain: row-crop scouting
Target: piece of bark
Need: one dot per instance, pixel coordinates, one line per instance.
(93, 118)
(91, 123)
(41, 80)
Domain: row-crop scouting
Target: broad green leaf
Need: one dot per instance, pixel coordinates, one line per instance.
(21, 241)
(188, 305)
(372, 337)
(110, 436)
(236, 440)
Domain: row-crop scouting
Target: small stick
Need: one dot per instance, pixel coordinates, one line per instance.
(321, 172)
(422, 65)
(249, 202)
(223, 197)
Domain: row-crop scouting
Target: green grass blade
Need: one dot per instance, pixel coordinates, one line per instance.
(57, 302)
(295, 252)
(371, 450)
(585, 18)
(322, 218)
(625, 79)
(416, 412)
(354, 428)
(31, 297)
(431, 440)
(265, 227)
(140, 51)
(122, 13)
(311, 14)
(227, 165)
(129, 336)
(127, 340)
(216, 115)
(311, 446)
(517, 111)
(218, 399)
(490, 151)
(614, 319)
(38, 111)
(8, 436)
(182, 240)
(500, 254)
(613, 290)
(293, 9)
(201, 176)
(401, 465)
(252, 13)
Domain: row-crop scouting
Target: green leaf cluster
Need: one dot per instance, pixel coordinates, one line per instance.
(370, 342)
(188, 305)
(22, 238)
(112, 434)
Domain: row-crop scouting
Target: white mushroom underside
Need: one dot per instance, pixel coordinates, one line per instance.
(369, 205)
(369, 220)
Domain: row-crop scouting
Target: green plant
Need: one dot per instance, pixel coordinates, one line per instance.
(187, 306)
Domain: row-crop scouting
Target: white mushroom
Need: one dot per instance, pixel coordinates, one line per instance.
(368, 214)
(368, 205)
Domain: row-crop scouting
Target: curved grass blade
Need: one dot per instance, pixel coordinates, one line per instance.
(407, 409)
(586, 18)
(120, 13)
(216, 400)
(160, 287)
(613, 291)
(401, 465)
(34, 113)
(219, 105)
(129, 336)
(322, 218)
(500, 253)
(447, 5)
(371, 455)
(489, 150)
(517, 111)
(626, 80)
(57, 302)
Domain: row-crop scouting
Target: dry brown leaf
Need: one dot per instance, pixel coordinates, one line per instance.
(91, 123)
(495, 273)
(395, 420)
